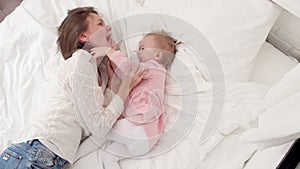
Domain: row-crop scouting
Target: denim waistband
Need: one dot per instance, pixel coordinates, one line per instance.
(33, 146)
(35, 150)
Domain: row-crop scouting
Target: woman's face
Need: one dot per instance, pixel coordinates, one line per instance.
(95, 23)
(147, 49)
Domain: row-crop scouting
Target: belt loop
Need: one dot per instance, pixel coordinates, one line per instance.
(30, 142)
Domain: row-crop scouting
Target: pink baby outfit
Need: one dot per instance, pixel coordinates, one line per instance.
(145, 104)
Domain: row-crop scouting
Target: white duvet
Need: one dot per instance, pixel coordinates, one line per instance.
(29, 61)
(279, 123)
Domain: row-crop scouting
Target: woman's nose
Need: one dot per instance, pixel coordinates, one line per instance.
(107, 28)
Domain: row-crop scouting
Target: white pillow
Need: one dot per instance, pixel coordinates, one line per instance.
(197, 53)
(270, 65)
(286, 87)
(236, 28)
(50, 15)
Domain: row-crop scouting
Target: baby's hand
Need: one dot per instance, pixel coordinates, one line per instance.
(99, 51)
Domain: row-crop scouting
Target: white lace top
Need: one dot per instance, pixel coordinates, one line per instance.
(77, 107)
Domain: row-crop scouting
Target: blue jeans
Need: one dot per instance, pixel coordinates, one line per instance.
(30, 155)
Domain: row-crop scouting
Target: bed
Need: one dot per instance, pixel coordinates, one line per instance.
(228, 75)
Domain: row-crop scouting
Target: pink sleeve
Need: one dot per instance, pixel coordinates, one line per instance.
(118, 57)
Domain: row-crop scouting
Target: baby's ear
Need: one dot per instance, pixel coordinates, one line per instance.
(158, 55)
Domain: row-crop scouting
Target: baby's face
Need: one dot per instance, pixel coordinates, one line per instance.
(147, 49)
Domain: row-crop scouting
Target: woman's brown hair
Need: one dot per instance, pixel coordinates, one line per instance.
(71, 29)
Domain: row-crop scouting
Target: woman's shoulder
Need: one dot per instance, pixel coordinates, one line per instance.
(67, 67)
(81, 52)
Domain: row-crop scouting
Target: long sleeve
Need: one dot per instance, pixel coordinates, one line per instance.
(89, 99)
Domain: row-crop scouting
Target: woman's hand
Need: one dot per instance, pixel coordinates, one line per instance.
(137, 79)
(99, 51)
(135, 75)
(131, 74)
(113, 81)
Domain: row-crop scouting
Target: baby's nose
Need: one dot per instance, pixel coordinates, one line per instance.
(138, 52)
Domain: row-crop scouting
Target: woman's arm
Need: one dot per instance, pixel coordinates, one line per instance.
(88, 96)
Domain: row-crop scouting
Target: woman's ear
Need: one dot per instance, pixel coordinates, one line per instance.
(83, 38)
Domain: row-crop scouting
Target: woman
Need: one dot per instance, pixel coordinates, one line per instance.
(53, 142)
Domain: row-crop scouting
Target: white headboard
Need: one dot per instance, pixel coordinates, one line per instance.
(285, 34)
(293, 6)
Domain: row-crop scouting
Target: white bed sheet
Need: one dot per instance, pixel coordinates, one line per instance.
(29, 61)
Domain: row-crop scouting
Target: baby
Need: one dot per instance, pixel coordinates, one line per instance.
(141, 123)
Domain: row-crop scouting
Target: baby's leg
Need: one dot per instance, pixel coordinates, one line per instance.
(131, 136)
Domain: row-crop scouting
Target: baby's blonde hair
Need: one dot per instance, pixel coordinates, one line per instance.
(168, 44)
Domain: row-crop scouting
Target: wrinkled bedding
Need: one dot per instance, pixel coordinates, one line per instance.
(29, 61)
